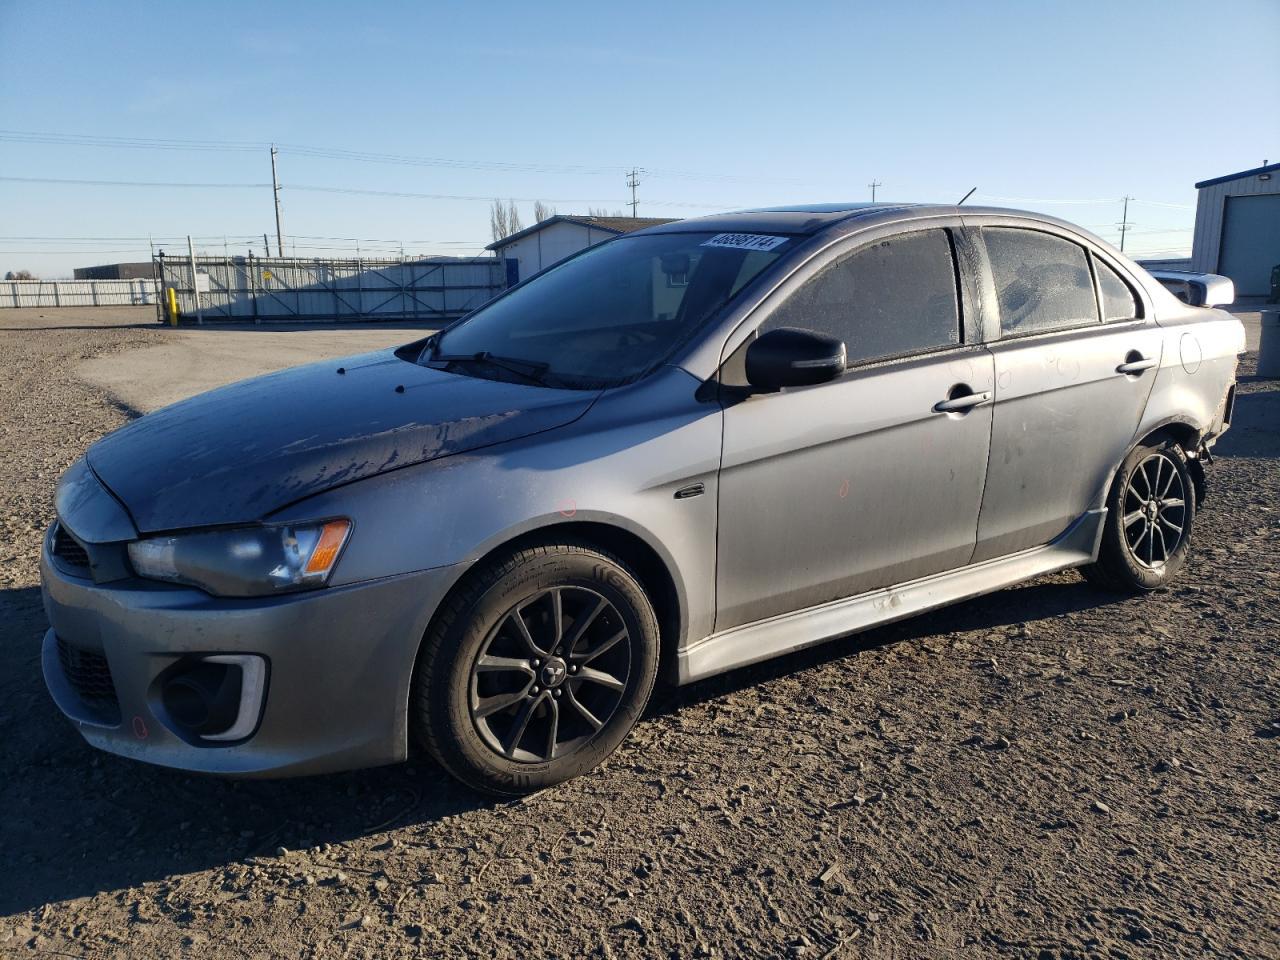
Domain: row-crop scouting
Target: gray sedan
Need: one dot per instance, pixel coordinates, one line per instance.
(687, 449)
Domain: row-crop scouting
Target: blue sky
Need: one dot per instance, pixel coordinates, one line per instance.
(725, 105)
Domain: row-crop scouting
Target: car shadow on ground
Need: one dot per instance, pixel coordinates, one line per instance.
(1253, 430)
(1015, 605)
(78, 822)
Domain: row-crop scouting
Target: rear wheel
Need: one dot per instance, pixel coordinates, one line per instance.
(1150, 511)
(536, 668)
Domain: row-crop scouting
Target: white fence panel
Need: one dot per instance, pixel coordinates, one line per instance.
(279, 289)
(77, 293)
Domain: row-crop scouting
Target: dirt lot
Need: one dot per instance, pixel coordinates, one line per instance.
(181, 363)
(1048, 772)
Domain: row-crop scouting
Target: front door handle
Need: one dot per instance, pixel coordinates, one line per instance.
(963, 402)
(1137, 366)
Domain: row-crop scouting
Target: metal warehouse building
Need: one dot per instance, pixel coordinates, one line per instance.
(117, 271)
(555, 238)
(1238, 228)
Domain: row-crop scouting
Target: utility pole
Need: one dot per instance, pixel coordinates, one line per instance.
(633, 181)
(275, 186)
(873, 184)
(195, 284)
(1124, 222)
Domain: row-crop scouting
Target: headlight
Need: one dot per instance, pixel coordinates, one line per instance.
(245, 562)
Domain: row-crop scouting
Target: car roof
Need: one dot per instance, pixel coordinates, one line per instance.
(812, 218)
(794, 219)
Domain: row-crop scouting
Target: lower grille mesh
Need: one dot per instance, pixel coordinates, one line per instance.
(90, 676)
(66, 549)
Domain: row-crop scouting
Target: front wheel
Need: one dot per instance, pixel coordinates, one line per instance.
(535, 669)
(1150, 510)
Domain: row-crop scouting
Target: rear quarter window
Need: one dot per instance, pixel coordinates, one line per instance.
(1118, 302)
(1043, 282)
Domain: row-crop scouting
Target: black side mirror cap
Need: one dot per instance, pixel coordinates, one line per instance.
(791, 357)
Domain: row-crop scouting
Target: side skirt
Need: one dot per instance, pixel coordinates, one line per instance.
(764, 639)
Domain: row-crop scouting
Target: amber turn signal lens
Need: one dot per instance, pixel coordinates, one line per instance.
(332, 537)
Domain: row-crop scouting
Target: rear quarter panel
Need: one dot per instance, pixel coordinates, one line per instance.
(1197, 368)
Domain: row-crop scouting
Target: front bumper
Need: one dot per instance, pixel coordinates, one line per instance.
(339, 664)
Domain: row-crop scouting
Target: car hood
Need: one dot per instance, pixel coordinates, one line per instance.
(236, 454)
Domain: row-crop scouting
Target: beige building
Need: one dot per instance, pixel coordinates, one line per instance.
(550, 241)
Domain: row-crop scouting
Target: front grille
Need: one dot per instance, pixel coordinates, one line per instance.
(68, 550)
(90, 676)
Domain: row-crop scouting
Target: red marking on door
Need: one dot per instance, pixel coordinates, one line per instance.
(844, 489)
(140, 728)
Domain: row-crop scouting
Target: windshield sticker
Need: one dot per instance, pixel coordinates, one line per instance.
(745, 241)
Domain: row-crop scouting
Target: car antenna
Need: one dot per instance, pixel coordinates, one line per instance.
(966, 196)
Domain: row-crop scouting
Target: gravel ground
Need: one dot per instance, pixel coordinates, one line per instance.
(1048, 772)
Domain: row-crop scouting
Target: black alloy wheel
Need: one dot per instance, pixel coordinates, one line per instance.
(535, 667)
(550, 674)
(1151, 508)
(1155, 510)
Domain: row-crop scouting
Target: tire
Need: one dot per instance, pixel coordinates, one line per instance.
(1132, 559)
(488, 665)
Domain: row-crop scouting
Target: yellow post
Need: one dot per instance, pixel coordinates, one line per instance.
(173, 306)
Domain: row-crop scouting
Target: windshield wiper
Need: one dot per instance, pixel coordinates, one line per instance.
(531, 370)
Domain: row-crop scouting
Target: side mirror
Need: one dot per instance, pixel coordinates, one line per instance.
(789, 357)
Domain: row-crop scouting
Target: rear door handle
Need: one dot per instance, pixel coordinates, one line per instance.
(954, 404)
(1137, 366)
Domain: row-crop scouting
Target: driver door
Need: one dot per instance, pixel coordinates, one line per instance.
(833, 490)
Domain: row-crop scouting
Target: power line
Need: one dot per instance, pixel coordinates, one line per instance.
(322, 189)
(137, 183)
(303, 150)
(219, 238)
(450, 196)
(1099, 200)
(1161, 203)
(143, 143)
(990, 196)
(329, 153)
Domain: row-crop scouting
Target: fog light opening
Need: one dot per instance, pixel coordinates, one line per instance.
(216, 698)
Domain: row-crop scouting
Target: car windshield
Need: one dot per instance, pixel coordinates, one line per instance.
(609, 315)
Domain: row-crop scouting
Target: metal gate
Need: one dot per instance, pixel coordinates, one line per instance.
(276, 289)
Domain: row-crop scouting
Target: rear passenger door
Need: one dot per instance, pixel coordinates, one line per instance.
(1075, 360)
(836, 489)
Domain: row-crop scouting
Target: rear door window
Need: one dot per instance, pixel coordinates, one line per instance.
(1042, 282)
(1118, 302)
(893, 298)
